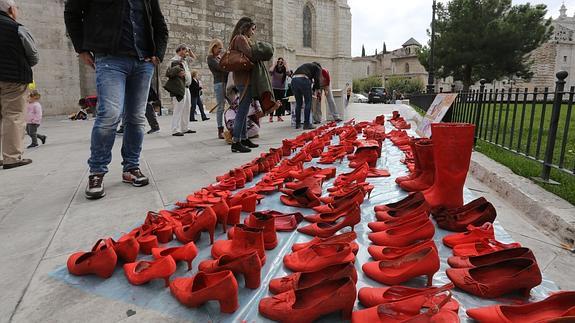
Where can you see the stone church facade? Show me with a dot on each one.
(301, 31)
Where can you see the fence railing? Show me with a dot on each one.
(537, 124)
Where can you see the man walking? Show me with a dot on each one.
(122, 40)
(17, 56)
(181, 117)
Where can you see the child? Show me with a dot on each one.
(33, 119)
(252, 122)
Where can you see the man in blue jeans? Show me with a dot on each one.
(301, 83)
(123, 40)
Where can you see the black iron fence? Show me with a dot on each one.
(537, 124)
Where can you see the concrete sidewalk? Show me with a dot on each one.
(44, 216)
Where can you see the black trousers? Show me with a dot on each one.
(32, 131)
(151, 116)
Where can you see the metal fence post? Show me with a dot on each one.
(552, 134)
(479, 108)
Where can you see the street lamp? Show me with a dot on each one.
(431, 79)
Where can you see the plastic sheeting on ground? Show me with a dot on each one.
(154, 296)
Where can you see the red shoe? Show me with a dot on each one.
(338, 209)
(126, 248)
(358, 175)
(319, 256)
(491, 281)
(338, 192)
(246, 240)
(286, 222)
(378, 226)
(248, 265)
(311, 171)
(369, 296)
(347, 237)
(302, 197)
(162, 227)
(205, 221)
(356, 195)
(185, 253)
(390, 253)
(327, 229)
(473, 234)
(313, 183)
(101, 261)
(309, 304)
(375, 173)
(365, 154)
(554, 306)
(482, 247)
(234, 215)
(395, 272)
(424, 150)
(197, 290)
(405, 235)
(141, 272)
(475, 213)
(401, 204)
(264, 221)
(490, 258)
(145, 238)
(305, 280)
(416, 207)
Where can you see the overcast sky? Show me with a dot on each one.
(394, 22)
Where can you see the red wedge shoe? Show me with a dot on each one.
(390, 253)
(327, 229)
(401, 204)
(187, 253)
(318, 257)
(554, 306)
(246, 240)
(347, 237)
(490, 258)
(473, 234)
(126, 248)
(394, 272)
(249, 265)
(197, 290)
(205, 221)
(404, 235)
(491, 281)
(309, 304)
(305, 280)
(101, 261)
(141, 272)
(482, 247)
(369, 296)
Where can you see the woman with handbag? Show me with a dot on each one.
(279, 73)
(241, 42)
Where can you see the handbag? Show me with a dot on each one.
(235, 61)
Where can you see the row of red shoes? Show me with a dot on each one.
(398, 121)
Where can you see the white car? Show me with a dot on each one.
(359, 98)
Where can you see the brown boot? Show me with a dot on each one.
(220, 132)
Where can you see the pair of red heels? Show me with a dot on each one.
(101, 260)
(476, 213)
(327, 224)
(402, 231)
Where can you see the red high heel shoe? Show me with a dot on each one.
(305, 280)
(490, 258)
(356, 195)
(554, 306)
(264, 221)
(126, 248)
(313, 183)
(248, 265)
(369, 296)
(309, 304)
(473, 234)
(347, 237)
(205, 221)
(101, 261)
(390, 253)
(197, 290)
(234, 215)
(399, 270)
(187, 253)
(412, 218)
(344, 208)
(415, 207)
(318, 257)
(404, 235)
(145, 238)
(162, 227)
(302, 197)
(482, 247)
(327, 229)
(358, 175)
(328, 173)
(491, 281)
(339, 192)
(141, 272)
(246, 239)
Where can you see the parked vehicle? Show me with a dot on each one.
(359, 98)
(377, 95)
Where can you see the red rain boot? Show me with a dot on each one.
(424, 150)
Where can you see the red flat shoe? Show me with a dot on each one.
(126, 248)
(205, 221)
(347, 237)
(391, 253)
(412, 218)
(475, 213)
(286, 222)
(305, 280)
(185, 253)
(309, 304)
(246, 240)
(404, 235)
(482, 247)
(416, 207)
(344, 208)
(249, 265)
(141, 272)
(101, 261)
(473, 234)
(394, 272)
(197, 290)
(491, 281)
(369, 296)
(557, 305)
(327, 229)
(490, 258)
(318, 257)
(401, 204)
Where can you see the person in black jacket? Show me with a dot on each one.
(196, 95)
(122, 40)
(301, 83)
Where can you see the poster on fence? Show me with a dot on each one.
(435, 113)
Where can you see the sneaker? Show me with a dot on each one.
(151, 131)
(190, 131)
(178, 134)
(248, 143)
(135, 177)
(32, 146)
(308, 126)
(19, 163)
(95, 188)
(237, 147)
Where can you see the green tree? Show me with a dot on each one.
(365, 84)
(487, 39)
(405, 85)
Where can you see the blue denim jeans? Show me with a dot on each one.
(122, 84)
(197, 102)
(301, 88)
(240, 123)
(219, 89)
